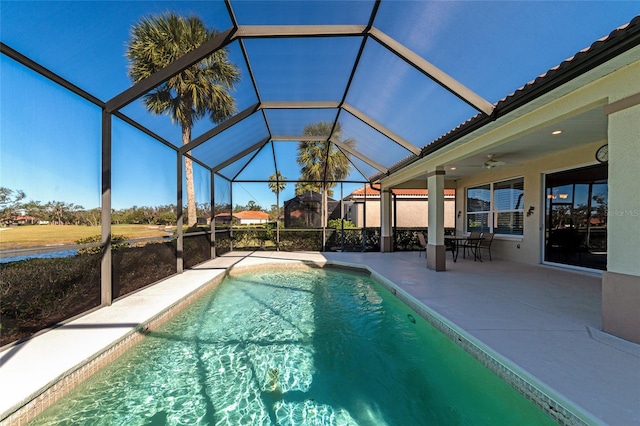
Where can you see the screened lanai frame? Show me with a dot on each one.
(347, 107)
(385, 146)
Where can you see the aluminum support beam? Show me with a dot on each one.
(357, 154)
(299, 104)
(106, 288)
(144, 130)
(380, 128)
(143, 86)
(299, 138)
(212, 217)
(265, 31)
(433, 72)
(45, 72)
(219, 129)
(180, 215)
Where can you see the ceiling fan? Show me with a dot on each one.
(492, 162)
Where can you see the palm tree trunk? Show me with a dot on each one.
(188, 171)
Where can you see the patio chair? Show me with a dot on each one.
(423, 244)
(485, 244)
(472, 243)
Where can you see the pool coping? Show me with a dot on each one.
(558, 407)
(55, 387)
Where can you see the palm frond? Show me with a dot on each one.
(200, 90)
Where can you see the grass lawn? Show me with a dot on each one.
(46, 235)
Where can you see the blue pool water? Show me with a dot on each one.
(300, 347)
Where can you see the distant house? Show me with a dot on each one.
(25, 220)
(411, 207)
(225, 218)
(249, 217)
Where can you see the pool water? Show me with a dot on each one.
(298, 347)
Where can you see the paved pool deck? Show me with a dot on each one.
(545, 320)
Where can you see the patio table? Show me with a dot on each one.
(455, 242)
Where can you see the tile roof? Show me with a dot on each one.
(251, 214)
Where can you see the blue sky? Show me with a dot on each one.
(50, 140)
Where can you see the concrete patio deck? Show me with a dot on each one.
(545, 320)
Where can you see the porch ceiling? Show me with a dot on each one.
(582, 129)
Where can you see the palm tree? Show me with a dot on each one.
(302, 187)
(322, 161)
(277, 185)
(200, 90)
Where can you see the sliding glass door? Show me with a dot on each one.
(576, 217)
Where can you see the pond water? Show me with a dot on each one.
(50, 255)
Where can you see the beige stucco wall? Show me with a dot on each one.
(526, 248)
(624, 191)
(621, 281)
(411, 213)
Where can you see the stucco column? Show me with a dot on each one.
(386, 227)
(436, 250)
(621, 280)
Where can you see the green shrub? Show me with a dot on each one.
(252, 238)
(196, 249)
(117, 242)
(38, 293)
(340, 223)
(301, 241)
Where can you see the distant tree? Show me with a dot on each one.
(35, 209)
(252, 206)
(10, 203)
(200, 90)
(274, 212)
(204, 209)
(277, 185)
(62, 213)
(90, 217)
(322, 161)
(302, 187)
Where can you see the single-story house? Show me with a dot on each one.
(409, 210)
(249, 217)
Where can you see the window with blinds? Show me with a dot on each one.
(497, 207)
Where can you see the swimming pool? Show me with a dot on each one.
(311, 346)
